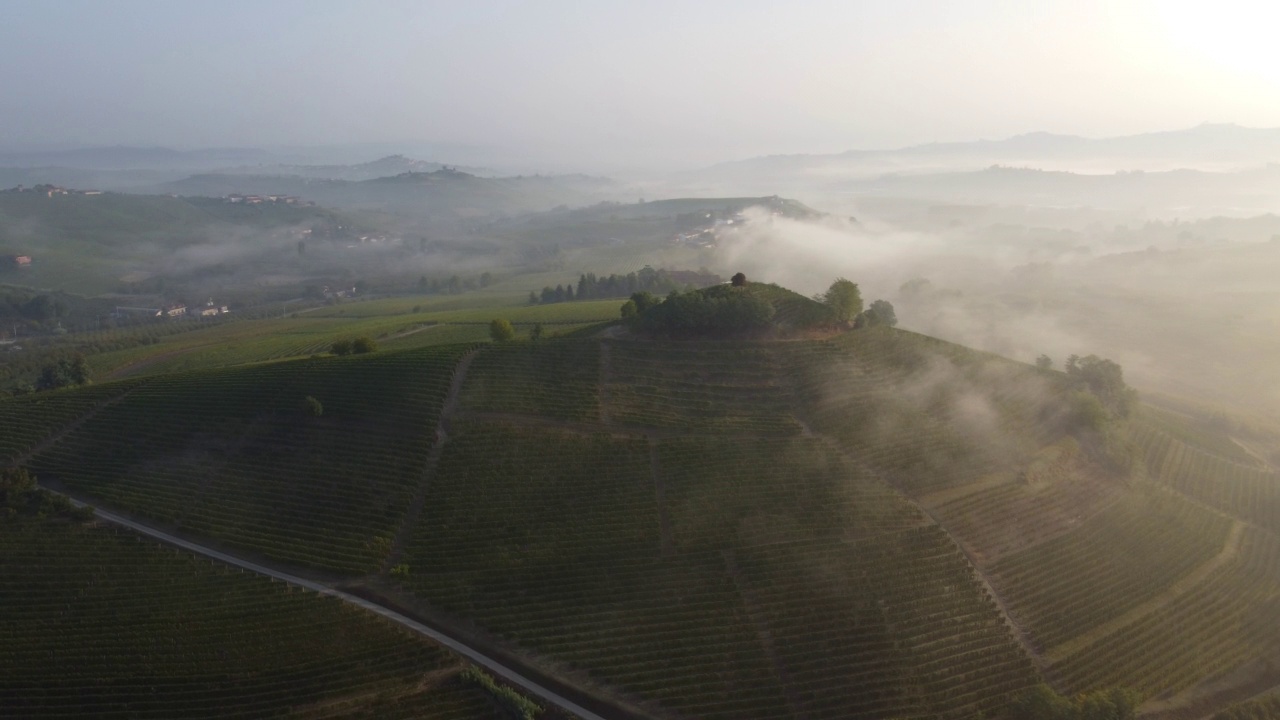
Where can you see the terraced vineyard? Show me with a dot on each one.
(926, 414)
(890, 626)
(668, 569)
(557, 378)
(1221, 622)
(1243, 490)
(27, 421)
(718, 387)
(1054, 494)
(1073, 582)
(726, 492)
(104, 624)
(233, 456)
(803, 529)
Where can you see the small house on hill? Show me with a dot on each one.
(20, 260)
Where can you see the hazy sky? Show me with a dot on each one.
(686, 82)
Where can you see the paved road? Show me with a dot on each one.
(475, 656)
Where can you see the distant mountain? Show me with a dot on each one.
(133, 158)
(1206, 147)
(1173, 192)
(443, 193)
(383, 167)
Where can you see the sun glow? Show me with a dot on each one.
(1237, 38)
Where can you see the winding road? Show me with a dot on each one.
(497, 668)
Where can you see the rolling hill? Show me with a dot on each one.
(863, 524)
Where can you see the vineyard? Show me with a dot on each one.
(710, 576)
(872, 525)
(103, 624)
(234, 456)
(556, 378)
(719, 387)
(1066, 585)
(27, 421)
(1244, 490)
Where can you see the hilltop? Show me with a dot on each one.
(870, 523)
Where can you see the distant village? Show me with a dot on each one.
(238, 199)
(707, 227)
(50, 190)
(175, 310)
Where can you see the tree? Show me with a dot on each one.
(1044, 362)
(501, 330)
(629, 309)
(533, 298)
(536, 333)
(881, 313)
(341, 347)
(363, 344)
(738, 280)
(312, 406)
(1103, 378)
(63, 373)
(643, 300)
(844, 299)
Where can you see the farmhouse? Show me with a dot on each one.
(20, 260)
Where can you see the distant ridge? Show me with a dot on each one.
(1217, 144)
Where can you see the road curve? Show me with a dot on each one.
(475, 656)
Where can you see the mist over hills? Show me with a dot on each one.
(1209, 146)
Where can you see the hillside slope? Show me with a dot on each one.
(876, 524)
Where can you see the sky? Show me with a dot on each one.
(611, 84)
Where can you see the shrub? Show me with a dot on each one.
(510, 700)
(312, 406)
(501, 330)
(363, 344)
(341, 347)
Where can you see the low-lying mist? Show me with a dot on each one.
(1188, 309)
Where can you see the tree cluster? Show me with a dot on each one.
(593, 287)
(359, 346)
(1103, 379)
(1042, 703)
(722, 310)
(453, 285)
(67, 372)
(19, 496)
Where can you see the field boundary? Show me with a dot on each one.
(411, 515)
(470, 653)
(69, 428)
(1230, 549)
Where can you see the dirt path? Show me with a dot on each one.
(606, 375)
(472, 654)
(414, 331)
(660, 491)
(141, 364)
(1015, 628)
(419, 500)
(1230, 549)
(761, 626)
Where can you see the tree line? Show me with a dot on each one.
(595, 287)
